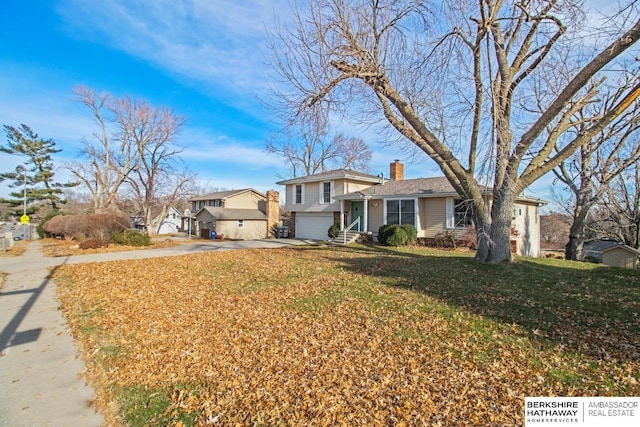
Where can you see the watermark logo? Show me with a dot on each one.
(582, 411)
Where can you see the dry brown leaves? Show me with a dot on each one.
(63, 247)
(289, 337)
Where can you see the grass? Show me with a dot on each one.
(354, 335)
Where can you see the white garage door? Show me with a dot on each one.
(309, 226)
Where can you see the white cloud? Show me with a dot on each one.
(216, 44)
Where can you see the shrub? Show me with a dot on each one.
(91, 244)
(334, 231)
(398, 238)
(97, 226)
(132, 238)
(445, 239)
(40, 227)
(412, 233)
(384, 232)
(397, 235)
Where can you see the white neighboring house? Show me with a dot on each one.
(170, 224)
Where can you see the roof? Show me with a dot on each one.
(607, 245)
(419, 187)
(410, 187)
(232, 214)
(221, 195)
(331, 175)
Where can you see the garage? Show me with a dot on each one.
(313, 226)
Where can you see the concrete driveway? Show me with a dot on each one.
(41, 380)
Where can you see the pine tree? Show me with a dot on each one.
(35, 173)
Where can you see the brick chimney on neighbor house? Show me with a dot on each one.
(397, 170)
(272, 211)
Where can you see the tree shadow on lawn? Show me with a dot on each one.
(594, 310)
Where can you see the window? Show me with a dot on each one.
(326, 192)
(299, 194)
(401, 211)
(241, 223)
(217, 203)
(459, 213)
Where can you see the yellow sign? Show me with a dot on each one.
(24, 219)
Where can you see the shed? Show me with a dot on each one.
(613, 253)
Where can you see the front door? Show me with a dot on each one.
(357, 211)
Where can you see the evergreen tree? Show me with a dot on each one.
(35, 173)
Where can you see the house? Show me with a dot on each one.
(367, 202)
(244, 214)
(613, 253)
(169, 224)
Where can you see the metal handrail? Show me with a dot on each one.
(352, 225)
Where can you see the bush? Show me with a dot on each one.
(98, 226)
(41, 227)
(412, 233)
(445, 239)
(384, 232)
(132, 238)
(91, 244)
(398, 238)
(334, 231)
(397, 235)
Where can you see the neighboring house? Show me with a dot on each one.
(238, 214)
(613, 253)
(431, 205)
(170, 224)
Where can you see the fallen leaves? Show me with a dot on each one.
(300, 336)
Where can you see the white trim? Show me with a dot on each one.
(450, 213)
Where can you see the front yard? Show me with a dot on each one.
(349, 336)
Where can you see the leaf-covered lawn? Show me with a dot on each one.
(349, 336)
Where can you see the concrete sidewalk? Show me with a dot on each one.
(40, 374)
(40, 382)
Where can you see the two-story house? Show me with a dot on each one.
(244, 214)
(367, 202)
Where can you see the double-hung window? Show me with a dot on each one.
(298, 191)
(402, 211)
(326, 192)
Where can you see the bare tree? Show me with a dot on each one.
(109, 157)
(591, 171)
(312, 153)
(455, 83)
(158, 177)
(617, 217)
(136, 145)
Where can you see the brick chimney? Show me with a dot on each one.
(397, 170)
(272, 211)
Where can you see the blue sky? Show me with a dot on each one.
(203, 59)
